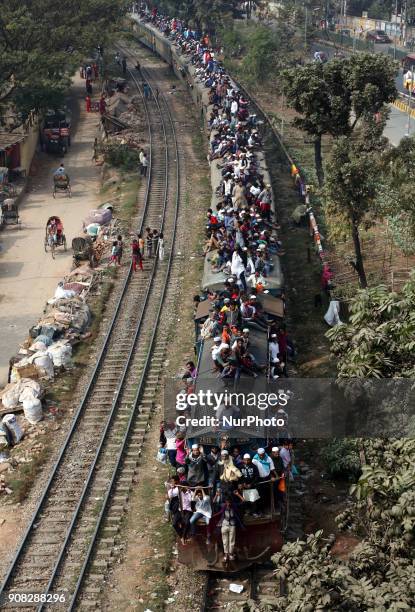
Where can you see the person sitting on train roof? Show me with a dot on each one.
(210, 328)
(196, 467)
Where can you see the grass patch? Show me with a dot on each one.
(161, 539)
(128, 201)
(22, 484)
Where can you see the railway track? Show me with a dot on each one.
(66, 549)
(259, 585)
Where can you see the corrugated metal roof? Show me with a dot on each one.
(7, 139)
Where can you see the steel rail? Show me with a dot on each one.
(127, 364)
(25, 541)
(141, 384)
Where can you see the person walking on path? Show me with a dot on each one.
(144, 165)
(141, 157)
(146, 89)
(161, 247)
(95, 154)
(120, 249)
(136, 256)
(124, 65)
(102, 105)
(88, 104)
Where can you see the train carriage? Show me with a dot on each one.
(261, 536)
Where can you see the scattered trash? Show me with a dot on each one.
(236, 588)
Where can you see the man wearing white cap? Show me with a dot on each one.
(249, 481)
(273, 347)
(216, 350)
(266, 471)
(197, 469)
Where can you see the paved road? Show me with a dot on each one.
(28, 276)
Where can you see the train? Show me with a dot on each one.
(263, 535)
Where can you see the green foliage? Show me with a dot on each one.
(351, 187)
(205, 15)
(396, 199)
(232, 41)
(335, 97)
(121, 156)
(42, 41)
(377, 9)
(341, 457)
(267, 52)
(383, 513)
(379, 340)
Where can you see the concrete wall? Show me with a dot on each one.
(28, 146)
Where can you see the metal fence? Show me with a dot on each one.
(343, 40)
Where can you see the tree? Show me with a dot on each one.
(395, 199)
(41, 43)
(267, 52)
(204, 15)
(333, 98)
(353, 182)
(318, 94)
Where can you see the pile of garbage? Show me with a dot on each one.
(46, 352)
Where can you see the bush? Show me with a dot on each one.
(342, 458)
(121, 156)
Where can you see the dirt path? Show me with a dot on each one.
(28, 275)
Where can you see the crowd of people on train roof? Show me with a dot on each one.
(222, 485)
(242, 233)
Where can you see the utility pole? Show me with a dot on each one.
(408, 133)
(396, 23)
(305, 27)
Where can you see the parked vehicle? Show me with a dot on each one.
(408, 62)
(56, 132)
(10, 213)
(378, 36)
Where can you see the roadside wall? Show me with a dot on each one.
(28, 146)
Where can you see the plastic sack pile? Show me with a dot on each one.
(46, 352)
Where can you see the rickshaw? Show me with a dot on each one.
(83, 250)
(61, 182)
(54, 236)
(10, 213)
